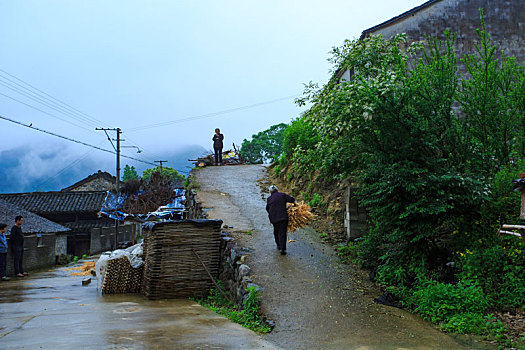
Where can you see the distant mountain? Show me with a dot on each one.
(53, 167)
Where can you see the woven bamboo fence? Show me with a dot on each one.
(171, 266)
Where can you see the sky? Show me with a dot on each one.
(190, 66)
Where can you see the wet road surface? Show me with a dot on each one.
(316, 302)
(51, 310)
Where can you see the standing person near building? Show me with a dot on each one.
(16, 241)
(278, 214)
(3, 253)
(217, 146)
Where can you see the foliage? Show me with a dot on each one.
(265, 146)
(347, 253)
(433, 153)
(129, 173)
(166, 171)
(248, 317)
(439, 301)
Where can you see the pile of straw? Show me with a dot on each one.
(85, 269)
(299, 214)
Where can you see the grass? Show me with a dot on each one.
(248, 317)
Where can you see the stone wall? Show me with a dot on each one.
(103, 239)
(504, 20)
(39, 252)
(355, 216)
(193, 207)
(234, 273)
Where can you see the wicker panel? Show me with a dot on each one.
(120, 277)
(172, 270)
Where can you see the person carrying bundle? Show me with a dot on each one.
(278, 215)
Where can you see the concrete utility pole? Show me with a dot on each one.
(117, 150)
(161, 161)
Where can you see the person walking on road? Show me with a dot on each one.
(3, 253)
(217, 146)
(17, 246)
(278, 215)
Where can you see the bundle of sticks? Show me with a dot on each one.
(299, 214)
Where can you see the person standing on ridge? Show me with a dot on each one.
(278, 215)
(217, 146)
(17, 246)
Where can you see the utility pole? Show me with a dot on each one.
(160, 162)
(117, 150)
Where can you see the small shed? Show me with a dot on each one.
(180, 258)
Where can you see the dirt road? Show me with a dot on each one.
(316, 302)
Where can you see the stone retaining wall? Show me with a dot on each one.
(234, 273)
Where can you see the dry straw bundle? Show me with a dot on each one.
(299, 214)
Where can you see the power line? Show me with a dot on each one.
(30, 95)
(57, 101)
(72, 140)
(209, 115)
(50, 114)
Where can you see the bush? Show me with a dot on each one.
(439, 302)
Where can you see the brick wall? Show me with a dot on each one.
(504, 20)
(38, 253)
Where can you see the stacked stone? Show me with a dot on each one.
(234, 273)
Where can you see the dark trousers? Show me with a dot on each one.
(3, 263)
(279, 232)
(18, 255)
(218, 155)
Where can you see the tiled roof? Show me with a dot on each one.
(57, 202)
(100, 174)
(32, 222)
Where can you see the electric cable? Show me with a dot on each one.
(209, 115)
(73, 109)
(50, 114)
(45, 103)
(73, 140)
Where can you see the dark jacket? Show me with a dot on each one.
(217, 140)
(16, 239)
(276, 206)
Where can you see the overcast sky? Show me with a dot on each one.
(132, 64)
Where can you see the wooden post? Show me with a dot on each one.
(522, 214)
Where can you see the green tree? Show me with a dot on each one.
(265, 146)
(493, 103)
(129, 173)
(167, 171)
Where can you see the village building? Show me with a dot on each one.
(44, 240)
(99, 181)
(78, 211)
(504, 21)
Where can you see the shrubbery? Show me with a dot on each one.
(433, 156)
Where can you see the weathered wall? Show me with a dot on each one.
(103, 239)
(98, 184)
(355, 216)
(61, 244)
(38, 253)
(504, 19)
(234, 273)
(193, 207)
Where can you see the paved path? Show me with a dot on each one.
(51, 310)
(316, 302)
